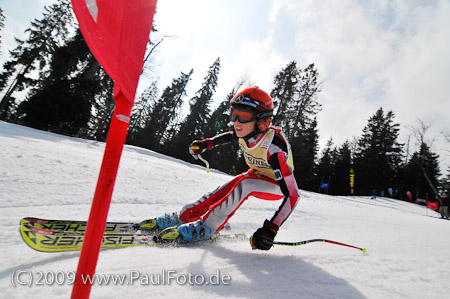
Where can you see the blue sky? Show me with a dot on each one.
(369, 54)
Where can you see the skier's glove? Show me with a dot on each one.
(198, 147)
(263, 237)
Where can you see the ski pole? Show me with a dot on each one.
(204, 161)
(196, 147)
(363, 250)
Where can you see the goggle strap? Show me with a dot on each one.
(264, 114)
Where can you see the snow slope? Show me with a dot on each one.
(51, 176)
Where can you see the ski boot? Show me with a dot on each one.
(160, 223)
(196, 231)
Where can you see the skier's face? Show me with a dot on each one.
(243, 129)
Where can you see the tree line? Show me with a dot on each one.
(66, 91)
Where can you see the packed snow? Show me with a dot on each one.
(47, 175)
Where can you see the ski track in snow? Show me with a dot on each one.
(52, 176)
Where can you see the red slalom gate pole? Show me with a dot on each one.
(117, 33)
(102, 198)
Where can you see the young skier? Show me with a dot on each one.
(270, 177)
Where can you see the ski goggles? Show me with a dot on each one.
(244, 116)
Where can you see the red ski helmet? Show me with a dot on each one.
(255, 98)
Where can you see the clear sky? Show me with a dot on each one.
(369, 54)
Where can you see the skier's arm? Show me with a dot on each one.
(197, 147)
(264, 236)
(286, 180)
(223, 138)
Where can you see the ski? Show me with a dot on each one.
(80, 226)
(76, 226)
(46, 240)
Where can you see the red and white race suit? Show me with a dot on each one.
(270, 177)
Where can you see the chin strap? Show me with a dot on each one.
(260, 128)
(252, 134)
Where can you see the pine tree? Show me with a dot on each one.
(102, 108)
(34, 54)
(140, 113)
(284, 94)
(195, 125)
(307, 107)
(445, 184)
(295, 93)
(378, 154)
(426, 161)
(305, 147)
(343, 164)
(326, 165)
(163, 113)
(421, 170)
(2, 25)
(63, 100)
(429, 164)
